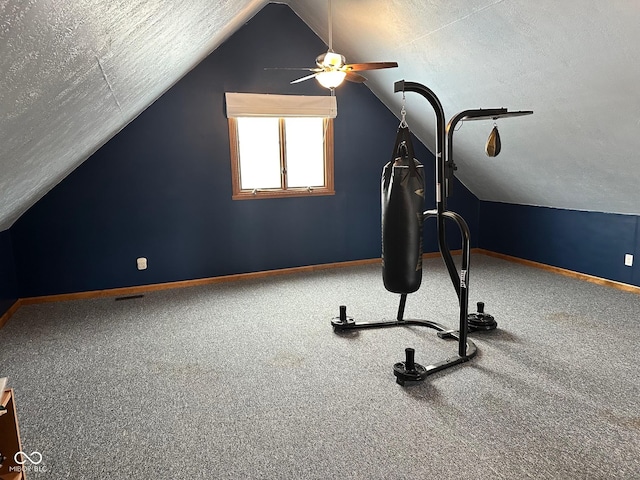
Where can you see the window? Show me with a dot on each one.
(281, 145)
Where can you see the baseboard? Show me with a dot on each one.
(9, 313)
(141, 289)
(562, 271)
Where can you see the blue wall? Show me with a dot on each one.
(587, 242)
(8, 278)
(161, 188)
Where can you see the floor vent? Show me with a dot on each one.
(130, 297)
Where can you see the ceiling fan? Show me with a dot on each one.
(332, 68)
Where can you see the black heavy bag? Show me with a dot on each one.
(402, 209)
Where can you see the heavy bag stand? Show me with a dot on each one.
(409, 371)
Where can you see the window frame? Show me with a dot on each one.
(245, 194)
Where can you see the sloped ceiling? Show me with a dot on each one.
(74, 73)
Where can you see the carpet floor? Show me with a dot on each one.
(247, 380)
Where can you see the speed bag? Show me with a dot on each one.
(402, 217)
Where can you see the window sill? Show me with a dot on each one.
(248, 195)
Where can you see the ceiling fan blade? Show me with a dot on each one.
(304, 69)
(355, 77)
(355, 67)
(303, 78)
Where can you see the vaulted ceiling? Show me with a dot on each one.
(72, 74)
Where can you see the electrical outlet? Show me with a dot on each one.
(142, 263)
(628, 260)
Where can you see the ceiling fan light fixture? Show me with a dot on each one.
(332, 68)
(331, 79)
(331, 59)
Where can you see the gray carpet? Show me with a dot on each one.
(247, 380)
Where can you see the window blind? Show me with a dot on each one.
(270, 105)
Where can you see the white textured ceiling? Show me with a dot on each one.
(576, 63)
(72, 74)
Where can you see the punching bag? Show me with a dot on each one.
(402, 212)
(493, 145)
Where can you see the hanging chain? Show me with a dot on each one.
(403, 113)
